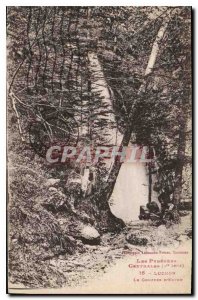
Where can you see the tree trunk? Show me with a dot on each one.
(150, 183)
(177, 194)
(180, 158)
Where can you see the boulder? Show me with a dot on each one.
(161, 231)
(53, 189)
(185, 205)
(52, 182)
(144, 213)
(55, 201)
(189, 233)
(184, 213)
(89, 235)
(182, 238)
(136, 240)
(153, 207)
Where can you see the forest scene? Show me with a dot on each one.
(107, 77)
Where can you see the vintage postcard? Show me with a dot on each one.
(99, 138)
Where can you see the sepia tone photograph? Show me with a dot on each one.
(99, 149)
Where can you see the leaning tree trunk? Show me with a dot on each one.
(106, 220)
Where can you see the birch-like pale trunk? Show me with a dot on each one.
(109, 134)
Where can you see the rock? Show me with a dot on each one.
(153, 207)
(53, 263)
(185, 205)
(52, 189)
(71, 238)
(176, 243)
(157, 223)
(189, 233)
(91, 247)
(136, 240)
(52, 182)
(14, 241)
(162, 231)
(184, 213)
(89, 232)
(182, 238)
(84, 217)
(105, 248)
(89, 235)
(144, 213)
(55, 201)
(154, 217)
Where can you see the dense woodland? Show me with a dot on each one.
(145, 59)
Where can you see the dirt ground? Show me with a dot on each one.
(98, 260)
